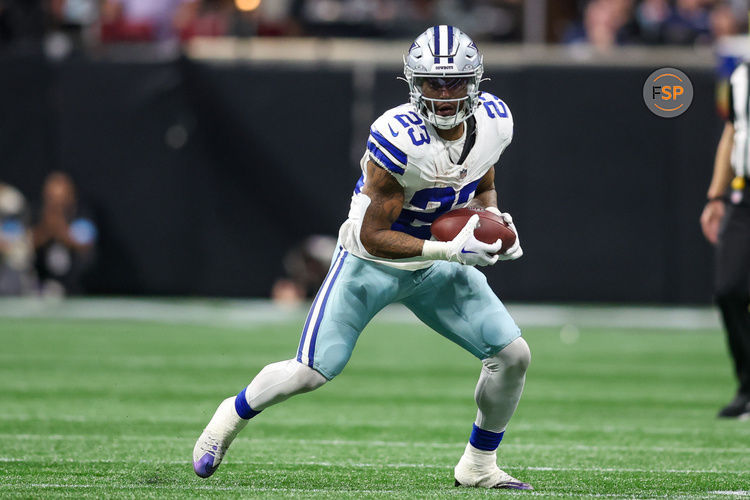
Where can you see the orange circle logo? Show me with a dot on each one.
(668, 92)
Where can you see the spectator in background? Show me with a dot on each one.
(146, 20)
(15, 243)
(497, 20)
(212, 18)
(73, 16)
(223, 18)
(689, 23)
(723, 21)
(279, 18)
(650, 17)
(606, 23)
(306, 266)
(64, 238)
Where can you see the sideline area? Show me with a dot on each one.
(241, 313)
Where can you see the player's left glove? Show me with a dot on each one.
(515, 251)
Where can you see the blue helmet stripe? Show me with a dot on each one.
(450, 43)
(437, 43)
(399, 155)
(382, 159)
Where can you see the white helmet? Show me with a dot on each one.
(448, 54)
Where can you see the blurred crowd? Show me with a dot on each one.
(601, 23)
(605, 23)
(46, 247)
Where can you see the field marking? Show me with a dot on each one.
(397, 444)
(399, 465)
(521, 426)
(189, 487)
(249, 313)
(244, 488)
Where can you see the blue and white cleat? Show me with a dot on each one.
(216, 437)
(207, 455)
(479, 470)
(497, 479)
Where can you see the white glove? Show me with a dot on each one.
(464, 248)
(515, 251)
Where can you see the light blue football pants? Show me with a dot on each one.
(452, 299)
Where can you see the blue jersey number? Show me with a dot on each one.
(408, 121)
(493, 104)
(445, 196)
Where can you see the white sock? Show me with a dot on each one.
(479, 459)
(225, 424)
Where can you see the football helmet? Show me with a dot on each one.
(443, 57)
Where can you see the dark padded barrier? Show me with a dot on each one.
(606, 195)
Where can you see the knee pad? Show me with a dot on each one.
(516, 357)
(280, 381)
(306, 378)
(295, 376)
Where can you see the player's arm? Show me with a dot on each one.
(386, 200)
(485, 195)
(722, 176)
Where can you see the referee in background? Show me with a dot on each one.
(726, 223)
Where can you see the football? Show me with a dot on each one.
(491, 227)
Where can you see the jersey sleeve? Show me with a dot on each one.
(506, 128)
(386, 146)
(496, 113)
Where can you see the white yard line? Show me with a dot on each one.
(351, 490)
(186, 487)
(519, 427)
(360, 443)
(249, 313)
(366, 465)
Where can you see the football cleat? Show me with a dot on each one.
(497, 479)
(738, 408)
(471, 475)
(207, 455)
(216, 437)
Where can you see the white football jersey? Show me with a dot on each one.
(410, 149)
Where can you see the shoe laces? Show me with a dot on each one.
(210, 446)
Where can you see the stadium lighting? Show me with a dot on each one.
(247, 5)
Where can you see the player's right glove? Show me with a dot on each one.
(464, 248)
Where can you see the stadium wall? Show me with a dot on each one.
(203, 173)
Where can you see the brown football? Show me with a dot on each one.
(490, 229)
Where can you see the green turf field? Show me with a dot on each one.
(95, 408)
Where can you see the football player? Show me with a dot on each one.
(424, 158)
